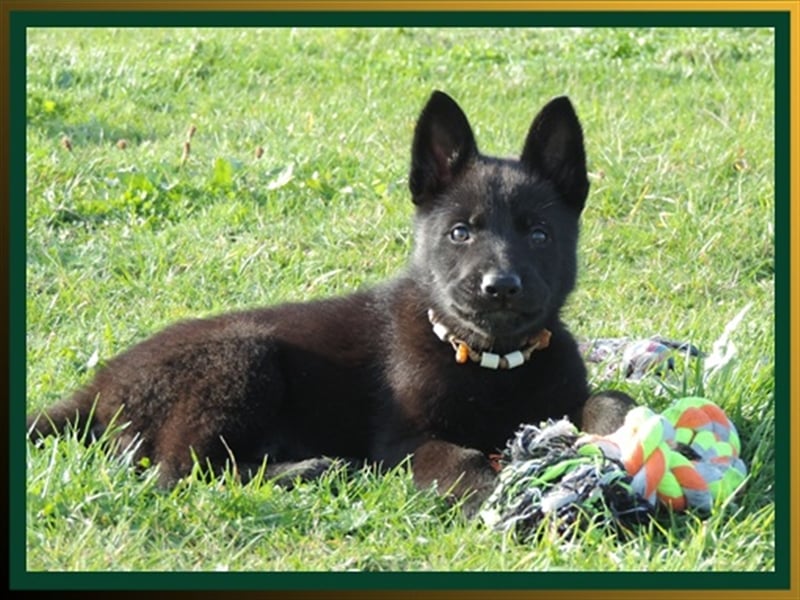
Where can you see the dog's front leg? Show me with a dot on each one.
(457, 472)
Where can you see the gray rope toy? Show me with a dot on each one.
(544, 478)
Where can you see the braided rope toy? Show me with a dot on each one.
(685, 458)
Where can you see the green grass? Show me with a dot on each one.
(677, 238)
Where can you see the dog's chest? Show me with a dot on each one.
(469, 404)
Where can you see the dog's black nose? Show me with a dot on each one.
(501, 285)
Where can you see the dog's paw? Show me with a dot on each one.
(464, 475)
(474, 500)
(604, 412)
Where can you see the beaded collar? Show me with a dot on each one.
(487, 359)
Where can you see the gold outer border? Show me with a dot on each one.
(404, 5)
(790, 6)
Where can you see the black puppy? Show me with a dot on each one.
(442, 363)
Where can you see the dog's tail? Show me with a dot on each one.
(75, 413)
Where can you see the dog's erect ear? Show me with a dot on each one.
(443, 146)
(554, 150)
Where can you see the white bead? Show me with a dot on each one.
(514, 359)
(490, 361)
(440, 331)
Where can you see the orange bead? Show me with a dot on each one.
(462, 354)
(542, 339)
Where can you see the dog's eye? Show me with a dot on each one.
(459, 233)
(539, 235)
